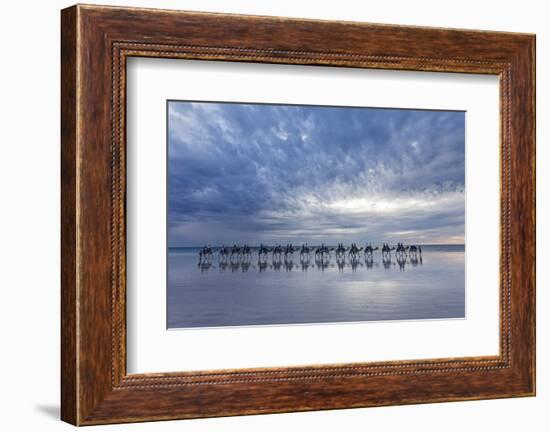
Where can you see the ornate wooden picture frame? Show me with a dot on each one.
(96, 41)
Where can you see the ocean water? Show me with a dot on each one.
(218, 295)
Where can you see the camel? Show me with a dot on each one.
(353, 253)
(386, 250)
(341, 251)
(323, 253)
(369, 250)
(415, 255)
(415, 250)
(246, 253)
(305, 253)
(401, 249)
(263, 251)
(205, 255)
(276, 253)
(236, 254)
(289, 253)
(223, 254)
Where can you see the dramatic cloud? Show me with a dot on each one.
(277, 173)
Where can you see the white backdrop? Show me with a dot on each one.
(29, 228)
(151, 348)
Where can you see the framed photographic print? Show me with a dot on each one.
(266, 215)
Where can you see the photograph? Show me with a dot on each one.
(282, 214)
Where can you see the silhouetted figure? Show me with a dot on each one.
(289, 253)
(341, 251)
(263, 252)
(354, 252)
(369, 250)
(322, 254)
(305, 253)
(277, 254)
(205, 255)
(236, 254)
(223, 254)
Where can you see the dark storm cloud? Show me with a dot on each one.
(277, 173)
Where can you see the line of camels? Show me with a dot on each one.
(321, 254)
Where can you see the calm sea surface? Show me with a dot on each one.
(237, 294)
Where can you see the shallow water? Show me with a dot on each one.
(231, 295)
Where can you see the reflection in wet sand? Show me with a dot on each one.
(400, 263)
(302, 288)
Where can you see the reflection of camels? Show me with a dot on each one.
(386, 259)
(205, 266)
(239, 257)
(401, 259)
(289, 264)
(224, 266)
(321, 263)
(354, 263)
(369, 261)
(305, 265)
(262, 266)
(415, 260)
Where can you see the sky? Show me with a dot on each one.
(252, 173)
